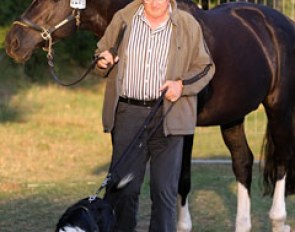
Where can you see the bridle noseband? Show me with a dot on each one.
(46, 33)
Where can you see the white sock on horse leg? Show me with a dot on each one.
(243, 219)
(184, 223)
(278, 212)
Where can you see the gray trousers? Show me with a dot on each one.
(165, 155)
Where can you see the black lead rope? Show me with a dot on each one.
(136, 141)
(138, 135)
(56, 78)
(113, 50)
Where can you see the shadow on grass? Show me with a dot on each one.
(102, 169)
(213, 158)
(7, 90)
(39, 208)
(16, 79)
(212, 203)
(8, 113)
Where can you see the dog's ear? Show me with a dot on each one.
(78, 216)
(96, 215)
(104, 215)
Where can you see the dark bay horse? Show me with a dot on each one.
(253, 49)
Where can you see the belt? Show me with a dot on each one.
(138, 102)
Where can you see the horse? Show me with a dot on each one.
(253, 50)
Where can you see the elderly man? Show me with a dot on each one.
(163, 48)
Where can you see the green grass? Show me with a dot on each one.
(45, 127)
(37, 207)
(53, 152)
(209, 143)
(213, 200)
(3, 31)
(54, 129)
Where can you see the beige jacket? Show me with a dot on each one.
(188, 56)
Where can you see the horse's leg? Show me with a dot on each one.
(242, 161)
(278, 214)
(184, 223)
(278, 154)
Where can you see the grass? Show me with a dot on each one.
(53, 152)
(36, 207)
(209, 144)
(52, 137)
(213, 200)
(3, 31)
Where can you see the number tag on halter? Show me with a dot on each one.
(78, 4)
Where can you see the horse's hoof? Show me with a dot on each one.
(183, 230)
(287, 228)
(243, 229)
(184, 227)
(243, 224)
(283, 228)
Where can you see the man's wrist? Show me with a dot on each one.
(180, 83)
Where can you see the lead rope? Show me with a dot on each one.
(134, 142)
(113, 50)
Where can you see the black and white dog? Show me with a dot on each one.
(93, 214)
(88, 215)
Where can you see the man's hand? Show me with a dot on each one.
(174, 90)
(107, 60)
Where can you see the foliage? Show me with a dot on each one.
(11, 9)
(78, 48)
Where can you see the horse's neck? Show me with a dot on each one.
(99, 13)
(94, 22)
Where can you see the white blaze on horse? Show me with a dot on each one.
(253, 49)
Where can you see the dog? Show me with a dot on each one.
(94, 214)
(88, 215)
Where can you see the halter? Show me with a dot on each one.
(46, 33)
(46, 36)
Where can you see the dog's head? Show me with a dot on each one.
(87, 216)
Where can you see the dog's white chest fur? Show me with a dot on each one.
(71, 229)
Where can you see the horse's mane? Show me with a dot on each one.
(187, 5)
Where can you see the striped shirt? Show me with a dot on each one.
(147, 53)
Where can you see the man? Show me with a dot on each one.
(162, 48)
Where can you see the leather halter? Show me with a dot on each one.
(46, 33)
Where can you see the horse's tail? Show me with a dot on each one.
(269, 163)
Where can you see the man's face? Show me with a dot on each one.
(156, 9)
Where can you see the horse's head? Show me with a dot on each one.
(36, 25)
(47, 21)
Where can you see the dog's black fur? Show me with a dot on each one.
(89, 216)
